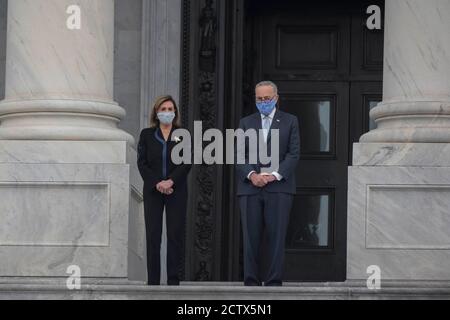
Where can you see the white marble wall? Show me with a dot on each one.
(161, 53)
(58, 215)
(127, 62)
(68, 203)
(398, 220)
(3, 9)
(147, 57)
(137, 253)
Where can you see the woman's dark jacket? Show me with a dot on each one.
(154, 160)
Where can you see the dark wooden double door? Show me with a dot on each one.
(328, 66)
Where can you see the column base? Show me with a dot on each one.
(62, 119)
(418, 121)
(70, 203)
(398, 217)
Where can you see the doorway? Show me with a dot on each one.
(328, 67)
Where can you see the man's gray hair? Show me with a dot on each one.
(268, 83)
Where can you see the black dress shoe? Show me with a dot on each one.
(252, 284)
(273, 284)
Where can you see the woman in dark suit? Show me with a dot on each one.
(165, 186)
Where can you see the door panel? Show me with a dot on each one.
(298, 46)
(312, 229)
(318, 219)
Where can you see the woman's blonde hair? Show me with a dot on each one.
(154, 121)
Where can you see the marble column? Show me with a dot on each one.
(416, 97)
(59, 82)
(70, 190)
(399, 184)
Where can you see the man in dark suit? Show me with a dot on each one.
(266, 198)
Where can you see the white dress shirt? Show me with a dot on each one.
(266, 134)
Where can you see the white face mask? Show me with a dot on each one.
(166, 117)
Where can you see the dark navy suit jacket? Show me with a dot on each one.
(289, 154)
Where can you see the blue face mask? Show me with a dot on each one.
(166, 117)
(266, 107)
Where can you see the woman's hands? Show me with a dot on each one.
(165, 187)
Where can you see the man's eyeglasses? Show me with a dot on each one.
(264, 99)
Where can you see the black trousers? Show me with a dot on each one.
(175, 204)
(270, 211)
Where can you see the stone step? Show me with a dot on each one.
(44, 290)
